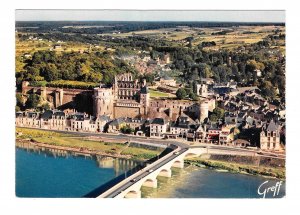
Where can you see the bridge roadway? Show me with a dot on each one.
(135, 178)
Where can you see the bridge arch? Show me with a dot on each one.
(150, 182)
(190, 154)
(133, 194)
(165, 172)
(178, 163)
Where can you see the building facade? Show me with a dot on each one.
(270, 137)
(127, 97)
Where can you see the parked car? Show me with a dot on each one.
(133, 180)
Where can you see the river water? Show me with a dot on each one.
(46, 174)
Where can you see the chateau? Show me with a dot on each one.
(126, 98)
(127, 103)
(129, 97)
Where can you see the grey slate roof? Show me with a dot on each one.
(117, 121)
(103, 118)
(49, 113)
(272, 126)
(19, 114)
(159, 121)
(144, 90)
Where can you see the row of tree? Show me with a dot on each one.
(52, 66)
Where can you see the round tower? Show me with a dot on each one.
(203, 110)
(103, 101)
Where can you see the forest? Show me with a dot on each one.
(255, 65)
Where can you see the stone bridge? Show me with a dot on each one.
(131, 186)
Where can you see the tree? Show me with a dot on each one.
(213, 117)
(180, 93)
(193, 96)
(219, 112)
(126, 130)
(45, 106)
(17, 108)
(149, 77)
(268, 90)
(19, 99)
(32, 101)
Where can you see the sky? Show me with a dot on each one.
(147, 15)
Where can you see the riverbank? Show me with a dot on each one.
(88, 146)
(81, 145)
(218, 165)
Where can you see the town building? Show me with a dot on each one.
(270, 137)
(181, 127)
(158, 127)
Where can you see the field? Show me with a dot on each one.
(31, 46)
(76, 141)
(159, 94)
(238, 36)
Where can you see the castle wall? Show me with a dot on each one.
(132, 112)
(59, 96)
(175, 104)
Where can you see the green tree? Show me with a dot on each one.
(17, 108)
(218, 112)
(253, 65)
(180, 93)
(149, 78)
(268, 90)
(193, 96)
(45, 106)
(213, 117)
(19, 99)
(126, 130)
(32, 101)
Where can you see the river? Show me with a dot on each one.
(47, 174)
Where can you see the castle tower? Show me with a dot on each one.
(44, 93)
(103, 101)
(58, 97)
(145, 97)
(203, 110)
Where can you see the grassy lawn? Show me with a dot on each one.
(241, 168)
(140, 153)
(66, 140)
(158, 94)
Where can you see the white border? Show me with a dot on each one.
(10, 204)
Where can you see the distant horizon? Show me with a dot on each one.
(247, 16)
(145, 21)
